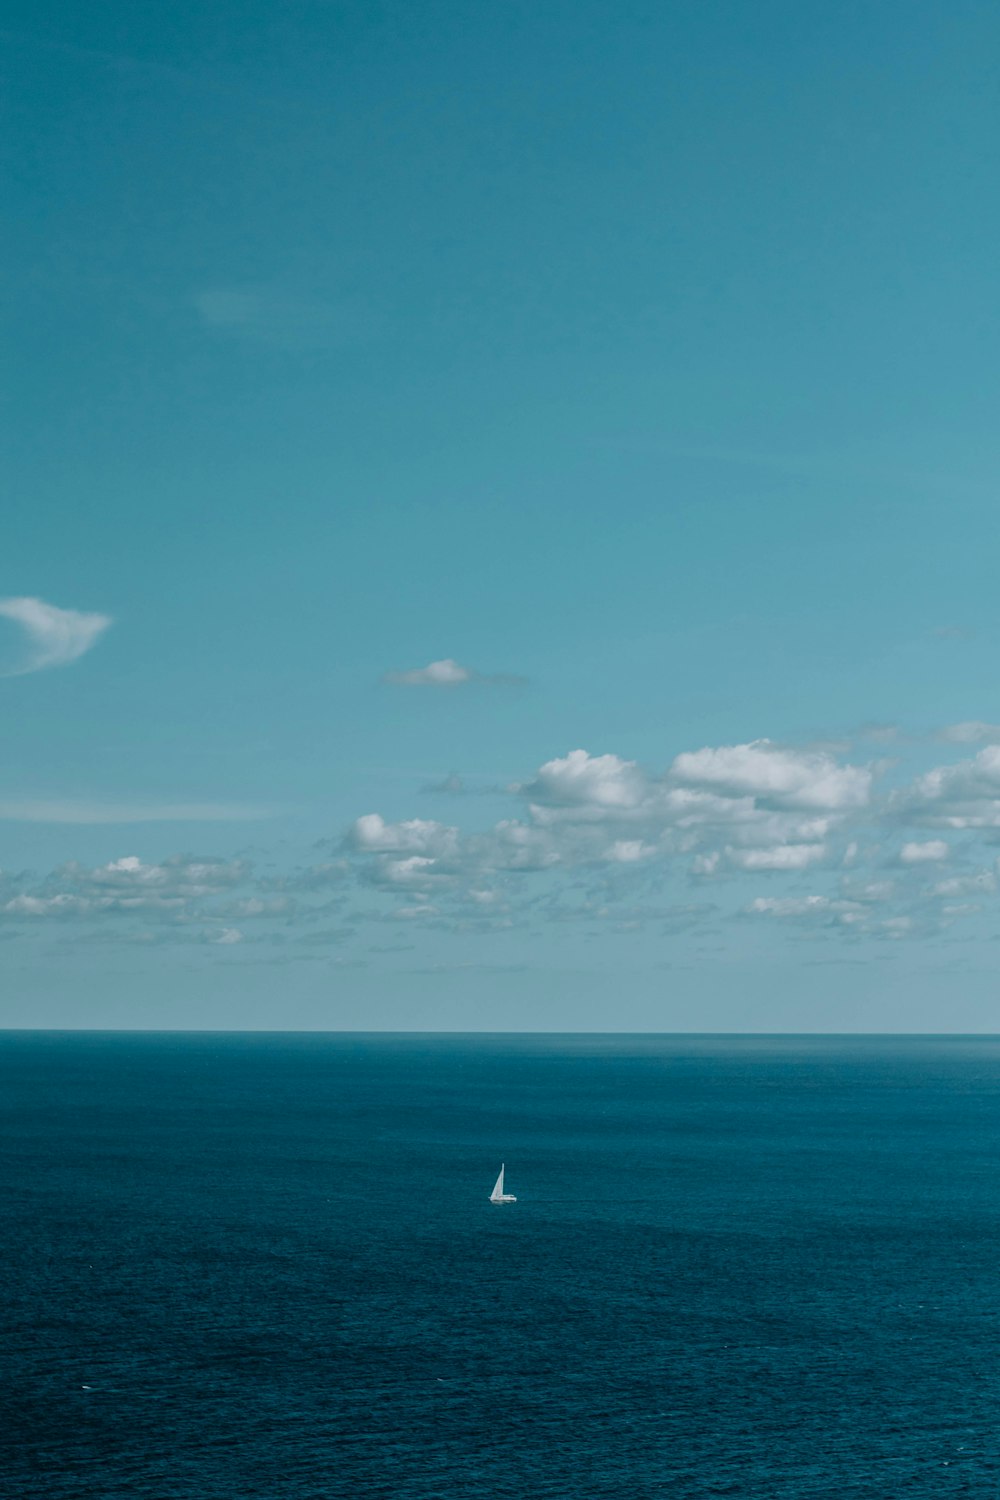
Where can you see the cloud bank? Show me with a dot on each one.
(802, 840)
(599, 838)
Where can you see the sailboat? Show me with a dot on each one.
(498, 1195)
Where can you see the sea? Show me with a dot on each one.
(266, 1266)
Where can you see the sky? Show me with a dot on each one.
(500, 524)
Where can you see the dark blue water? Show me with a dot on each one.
(266, 1266)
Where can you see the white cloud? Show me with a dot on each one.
(186, 899)
(587, 781)
(446, 673)
(181, 875)
(68, 904)
(588, 812)
(430, 851)
(171, 891)
(62, 905)
(777, 777)
(781, 857)
(628, 851)
(54, 636)
(228, 937)
(597, 840)
(893, 927)
(688, 808)
(414, 871)
(917, 853)
(512, 845)
(789, 906)
(964, 795)
(126, 873)
(848, 916)
(759, 808)
(449, 673)
(371, 834)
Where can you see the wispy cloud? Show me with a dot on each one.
(54, 636)
(449, 673)
(285, 318)
(971, 732)
(451, 785)
(454, 785)
(69, 810)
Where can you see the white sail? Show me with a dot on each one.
(498, 1195)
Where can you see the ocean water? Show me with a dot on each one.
(266, 1266)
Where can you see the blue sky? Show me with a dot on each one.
(637, 360)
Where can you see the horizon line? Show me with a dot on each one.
(218, 1031)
